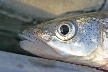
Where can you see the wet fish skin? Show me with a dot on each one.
(88, 46)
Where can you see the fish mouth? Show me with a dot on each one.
(23, 37)
(38, 47)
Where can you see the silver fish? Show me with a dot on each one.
(81, 39)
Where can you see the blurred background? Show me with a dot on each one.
(16, 15)
(19, 14)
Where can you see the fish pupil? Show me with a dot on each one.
(64, 29)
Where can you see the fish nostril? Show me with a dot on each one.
(18, 39)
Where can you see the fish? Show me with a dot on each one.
(80, 39)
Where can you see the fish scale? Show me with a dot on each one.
(87, 29)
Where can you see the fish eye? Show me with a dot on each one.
(65, 30)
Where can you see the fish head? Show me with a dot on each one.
(81, 40)
(62, 38)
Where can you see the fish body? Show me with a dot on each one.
(81, 39)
